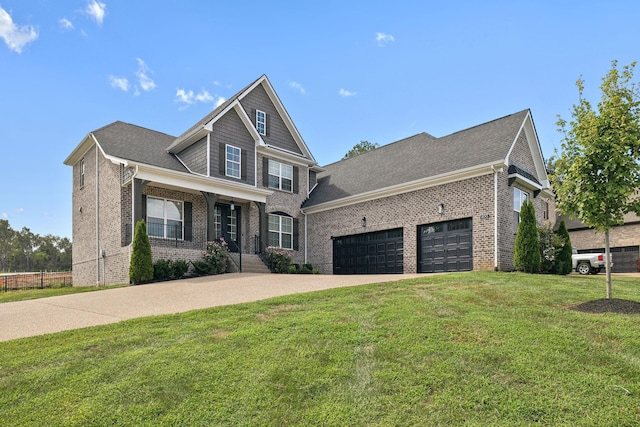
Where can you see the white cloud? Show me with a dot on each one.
(16, 37)
(97, 10)
(119, 82)
(383, 39)
(187, 98)
(5, 215)
(65, 24)
(297, 86)
(146, 83)
(345, 93)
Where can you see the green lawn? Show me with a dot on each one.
(471, 349)
(11, 296)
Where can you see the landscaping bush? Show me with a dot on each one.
(563, 258)
(293, 269)
(214, 259)
(526, 255)
(163, 269)
(180, 268)
(278, 259)
(141, 266)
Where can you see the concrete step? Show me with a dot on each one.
(251, 263)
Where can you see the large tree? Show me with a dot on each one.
(597, 173)
(361, 147)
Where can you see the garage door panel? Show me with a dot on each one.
(369, 253)
(445, 246)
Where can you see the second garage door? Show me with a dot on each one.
(369, 253)
(445, 246)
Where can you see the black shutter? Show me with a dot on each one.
(144, 208)
(243, 165)
(188, 223)
(265, 172)
(296, 234)
(296, 176)
(267, 124)
(222, 161)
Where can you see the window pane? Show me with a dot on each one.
(174, 229)
(287, 241)
(174, 210)
(287, 224)
(286, 184)
(155, 227)
(155, 207)
(274, 223)
(274, 168)
(233, 154)
(274, 182)
(233, 169)
(287, 171)
(274, 239)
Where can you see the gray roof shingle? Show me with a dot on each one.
(417, 157)
(137, 144)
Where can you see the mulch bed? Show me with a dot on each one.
(612, 305)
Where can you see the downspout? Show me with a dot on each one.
(133, 207)
(305, 237)
(495, 216)
(97, 221)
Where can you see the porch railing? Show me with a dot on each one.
(184, 237)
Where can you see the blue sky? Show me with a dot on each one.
(345, 70)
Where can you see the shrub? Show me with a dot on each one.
(163, 269)
(180, 268)
(214, 258)
(526, 255)
(141, 266)
(293, 269)
(278, 259)
(563, 259)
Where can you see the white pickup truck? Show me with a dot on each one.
(589, 263)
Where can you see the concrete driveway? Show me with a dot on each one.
(48, 315)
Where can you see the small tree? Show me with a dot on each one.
(526, 256)
(563, 254)
(361, 147)
(597, 175)
(141, 266)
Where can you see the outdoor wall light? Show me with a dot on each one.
(364, 221)
(232, 207)
(441, 208)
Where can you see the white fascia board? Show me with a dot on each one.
(285, 155)
(446, 178)
(80, 150)
(194, 182)
(534, 147)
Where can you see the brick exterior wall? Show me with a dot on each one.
(626, 235)
(89, 267)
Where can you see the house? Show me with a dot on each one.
(243, 172)
(624, 241)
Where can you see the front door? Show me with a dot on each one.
(227, 224)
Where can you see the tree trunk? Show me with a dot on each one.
(607, 255)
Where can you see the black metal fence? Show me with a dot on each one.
(176, 236)
(42, 280)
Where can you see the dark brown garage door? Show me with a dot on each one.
(445, 246)
(379, 252)
(624, 258)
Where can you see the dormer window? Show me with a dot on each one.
(261, 122)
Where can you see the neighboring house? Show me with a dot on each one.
(243, 172)
(624, 241)
(426, 204)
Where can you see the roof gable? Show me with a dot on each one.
(241, 101)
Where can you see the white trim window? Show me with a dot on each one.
(165, 218)
(519, 198)
(280, 176)
(261, 122)
(281, 231)
(82, 170)
(232, 161)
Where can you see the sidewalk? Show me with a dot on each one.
(48, 315)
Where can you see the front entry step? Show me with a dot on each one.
(251, 263)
